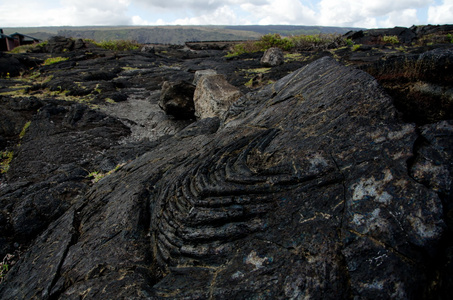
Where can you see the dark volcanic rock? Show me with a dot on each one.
(303, 191)
(405, 35)
(58, 44)
(374, 36)
(16, 113)
(176, 99)
(11, 66)
(59, 135)
(50, 166)
(421, 84)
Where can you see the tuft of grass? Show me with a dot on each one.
(24, 129)
(8, 261)
(5, 159)
(54, 60)
(251, 74)
(96, 175)
(258, 70)
(249, 83)
(356, 47)
(4, 268)
(293, 57)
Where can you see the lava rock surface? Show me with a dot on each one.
(327, 182)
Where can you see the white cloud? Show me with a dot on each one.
(65, 12)
(355, 13)
(358, 13)
(223, 15)
(383, 7)
(80, 12)
(406, 18)
(280, 12)
(441, 14)
(193, 5)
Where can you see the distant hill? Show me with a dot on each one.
(292, 29)
(173, 34)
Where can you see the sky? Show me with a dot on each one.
(344, 13)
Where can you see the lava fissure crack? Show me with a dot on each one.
(385, 246)
(343, 210)
(419, 142)
(76, 222)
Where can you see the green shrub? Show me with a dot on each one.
(265, 42)
(306, 42)
(274, 40)
(246, 47)
(118, 45)
(318, 42)
(390, 39)
(450, 38)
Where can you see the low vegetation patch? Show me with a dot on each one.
(318, 42)
(54, 60)
(293, 57)
(96, 175)
(117, 45)
(5, 159)
(28, 48)
(432, 39)
(291, 43)
(257, 70)
(390, 39)
(4, 268)
(255, 75)
(24, 129)
(8, 261)
(356, 47)
(24, 85)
